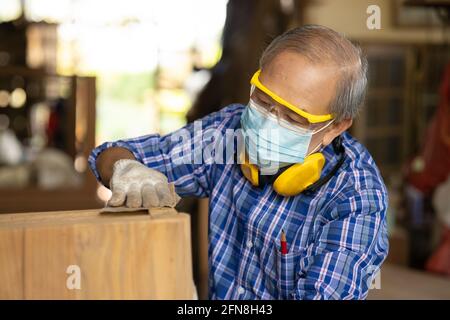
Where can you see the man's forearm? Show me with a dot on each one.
(106, 160)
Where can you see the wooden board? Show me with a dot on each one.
(119, 255)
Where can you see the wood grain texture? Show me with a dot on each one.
(120, 256)
(11, 264)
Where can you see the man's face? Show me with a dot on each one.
(305, 85)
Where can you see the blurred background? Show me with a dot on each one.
(76, 73)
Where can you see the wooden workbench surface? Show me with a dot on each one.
(130, 255)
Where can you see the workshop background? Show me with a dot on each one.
(76, 73)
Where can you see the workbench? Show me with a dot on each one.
(91, 255)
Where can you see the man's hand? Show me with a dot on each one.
(135, 185)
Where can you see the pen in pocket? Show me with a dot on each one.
(283, 243)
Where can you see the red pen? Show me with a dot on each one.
(283, 242)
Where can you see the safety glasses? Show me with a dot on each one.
(264, 97)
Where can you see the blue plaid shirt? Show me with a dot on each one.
(337, 236)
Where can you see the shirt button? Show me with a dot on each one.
(241, 290)
(249, 244)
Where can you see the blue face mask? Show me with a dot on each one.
(272, 143)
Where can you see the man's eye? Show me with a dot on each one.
(299, 120)
(294, 118)
(264, 102)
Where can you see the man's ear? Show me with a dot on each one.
(335, 130)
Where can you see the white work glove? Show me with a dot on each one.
(135, 185)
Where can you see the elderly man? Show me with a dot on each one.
(302, 215)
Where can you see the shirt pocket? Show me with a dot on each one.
(287, 270)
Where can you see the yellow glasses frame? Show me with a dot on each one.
(312, 118)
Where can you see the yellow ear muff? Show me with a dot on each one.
(294, 179)
(249, 170)
(299, 176)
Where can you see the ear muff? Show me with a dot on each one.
(299, 176)
(249, 170)
(292, 180)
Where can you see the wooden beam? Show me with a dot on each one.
(118, 255)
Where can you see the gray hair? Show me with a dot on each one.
(320, 44)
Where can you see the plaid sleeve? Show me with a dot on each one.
(348, 251)
(179, 155)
